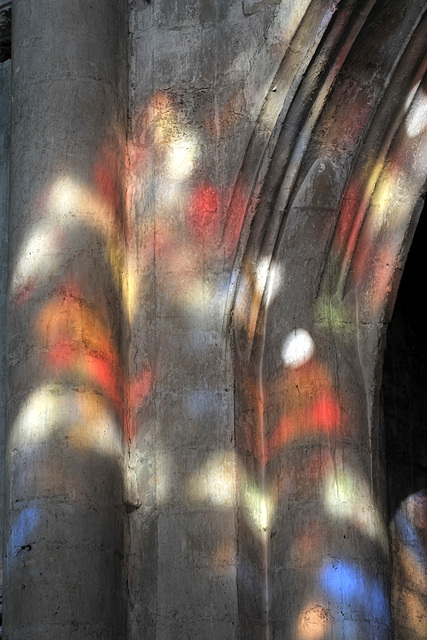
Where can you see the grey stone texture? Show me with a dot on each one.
(211, 205)
(64, 525)
(5, 101)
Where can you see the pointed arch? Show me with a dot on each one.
(336, 174)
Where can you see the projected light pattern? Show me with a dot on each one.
(306, 394)
(23, 533)
(298, 472)
(73, 328)
(348, 583)
(409, 546)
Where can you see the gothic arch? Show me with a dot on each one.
(336, 175)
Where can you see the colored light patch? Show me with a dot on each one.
(314, 622)
(131, 282)
(267, 279)
(45, 245)
(40, 255)
(388, 210)
(182, 154)
(235, 218)
(203, 213)
(298, 348)
(95, 427)
(274, 282)
(258, 504)
(70, 358)
(410, 526)
(261, 272)
(334, 314)
(416, 121)
(23, 527)
(38, 416)
(106, 179)
(347, 497)
(353, 590)
(413, 612)
(63, 354)
(415, 571)
(54, 411)
(215, 482)
(76, 338)
(321, 416)
(68, 195)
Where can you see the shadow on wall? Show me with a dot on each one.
(405, 431)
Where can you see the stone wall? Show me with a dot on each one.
(211, 206)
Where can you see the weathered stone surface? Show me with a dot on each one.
(211, 206)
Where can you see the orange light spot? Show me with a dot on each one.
(313, 623)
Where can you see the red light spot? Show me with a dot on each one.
(106, 182)
(235, 219)
(324, 414)
(140, 387)
(63, 354)
(204, 212)
(104, 374)
(351, 201)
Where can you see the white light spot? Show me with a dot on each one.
(298, 348)
(274, 282)
(417, 119)
(182, 155)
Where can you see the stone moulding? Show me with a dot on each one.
(334, 175)
(282, 150)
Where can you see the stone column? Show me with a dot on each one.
(4, 205)
(64, 504)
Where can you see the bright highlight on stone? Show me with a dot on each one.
(298, 348)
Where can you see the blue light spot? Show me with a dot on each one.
(349, 585)
(25, 524)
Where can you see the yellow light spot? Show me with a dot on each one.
(258, 505)
(215, 481)
(347, 497)
(79, 417)
(382, 200)
(130, 292)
